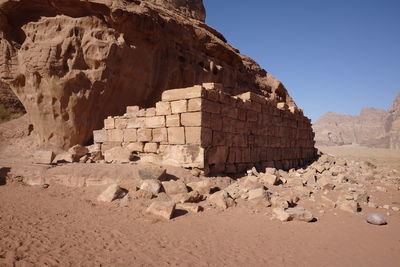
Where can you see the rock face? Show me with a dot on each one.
(73, 62)
(373, 128)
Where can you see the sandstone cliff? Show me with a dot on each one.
(74, 62)
(373, 128)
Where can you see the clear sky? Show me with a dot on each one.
(338, 56)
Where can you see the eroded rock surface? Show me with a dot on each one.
(372, 128)
(72, 63)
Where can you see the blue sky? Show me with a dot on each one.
(338, 56)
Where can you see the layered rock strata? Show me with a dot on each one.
(372, 128)
(206, 128)
(73, 62)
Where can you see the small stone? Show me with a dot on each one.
(164, 210)
(152, 171)
(270, 179)
(300, 214)
(44, 157)
(111, 193)
(117, 154)
(395, 208)
(258, 193)
(221, 199)
(372, 205)
(203, 187)
(190, 197)
(386, 207)
(78, 151)
(349, 206)
(190, 207)
(143, 194)
(150, 185)
(45, 186)
(280, 214)
(382, 189)
(376, 219)
(174, 187)
(65, 157)
(125, 201)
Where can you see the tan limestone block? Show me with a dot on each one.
(144, 135)
(176, 135)
(150, 148)
(179, 106)
(100, 136)
(108, 145)
(193, 135)
(191, 119)
(173, 120)
(213, 86)
(155, 122)
(184, 93)
(135, 147)
(121, 123)
(160, 135)
(130, 135)
(109, 123)
(194, 104)
(163, 108)
(135, 123)
(132, 110)
(115, 135)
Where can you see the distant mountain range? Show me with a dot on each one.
(372, 128)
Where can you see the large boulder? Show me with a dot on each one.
(73, 62)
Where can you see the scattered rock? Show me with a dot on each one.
(117, 154)
(382, 189)
(44, 156)
(111, 193)
(270, 179)
(386, 207)
(190, 197)
(45, 186)
(296, 213)
(143, 194)
(164, 210)
(151, 185)
(152, 171)
(64, 157)
(174, 187)
(280, 214)
(203, 187)
(189, 207)
(221, 199)
(78, 151)
(257, 194)
(376, 219)
(349, 206)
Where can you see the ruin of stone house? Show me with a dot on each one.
(204, 127)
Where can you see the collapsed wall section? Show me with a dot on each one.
(204, 127)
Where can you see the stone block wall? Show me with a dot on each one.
(204, 127)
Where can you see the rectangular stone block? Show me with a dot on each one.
(213, 86)
(250, 96)
(109, 123)
(160, 135)
(184, 156)
(191, 119)
(150, 112)
(211, 107)
(135, 123)
(206, 137)
(184, 93)
(141, 113)
(135, 147)
(155, 122)
(115, 135)
(212, 95)
(121, 123)
(193, 135)
(132, 110)
(108, 145)
(217, 154)
(99, 136)
(163, 108)
(130, 135)
(144, 135)
(150, 148)
(179, 106)
(176, 135)
(173, 120)
(194, 104)
(218, 138)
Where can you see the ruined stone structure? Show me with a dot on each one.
(206, 128)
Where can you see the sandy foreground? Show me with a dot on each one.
(66, 226)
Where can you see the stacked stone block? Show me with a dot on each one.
(204, 127)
